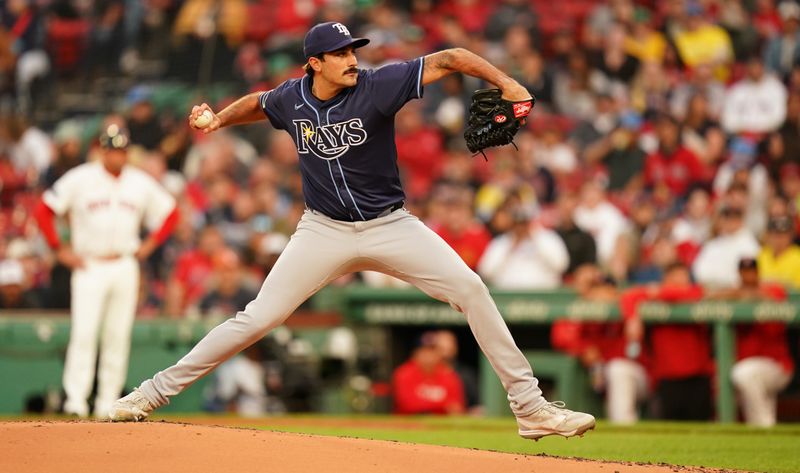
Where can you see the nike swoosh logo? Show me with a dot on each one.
(298, 106)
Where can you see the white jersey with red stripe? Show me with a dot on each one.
(106, 212)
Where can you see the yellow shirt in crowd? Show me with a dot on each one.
(707, 44)
(649, 48)
(784, 269)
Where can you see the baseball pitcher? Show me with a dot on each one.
(107, 201)
(342, 122)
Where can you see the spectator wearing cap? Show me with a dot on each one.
(716, 264)
(672, 169)
(756, 104)
(645, 42)
(779, 259)
(702, 42)
(143, 123)
(12, 292)
(529, 256)
(426, 384)
(742, 170)
(620, 153)
(782, 51)
(764, 364)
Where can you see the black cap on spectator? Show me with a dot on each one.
(781, 224)
(748, 263)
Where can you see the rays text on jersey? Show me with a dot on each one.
(328, 141)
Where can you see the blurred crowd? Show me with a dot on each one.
(666, 134)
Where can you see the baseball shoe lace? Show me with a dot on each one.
(554, 419)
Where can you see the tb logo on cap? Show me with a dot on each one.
(341, 28)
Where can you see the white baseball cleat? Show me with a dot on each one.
(554, 419)
(131, 408)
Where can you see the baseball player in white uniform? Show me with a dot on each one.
(342, 122)
(106, 202)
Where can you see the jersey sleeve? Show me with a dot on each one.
(273, 106)
(61, 195)
(160, 204)
(395, 84)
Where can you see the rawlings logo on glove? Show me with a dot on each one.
(490, 119)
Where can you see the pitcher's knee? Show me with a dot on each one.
(258, 317)
(468, 288)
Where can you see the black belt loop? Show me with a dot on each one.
(395, 206)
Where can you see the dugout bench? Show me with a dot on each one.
(412, 307)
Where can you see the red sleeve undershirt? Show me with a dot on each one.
(167, 227)
(45, 217)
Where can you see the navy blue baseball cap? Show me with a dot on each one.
(327, 37)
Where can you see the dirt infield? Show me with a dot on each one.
(94, 447)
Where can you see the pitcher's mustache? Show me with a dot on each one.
(352, 70)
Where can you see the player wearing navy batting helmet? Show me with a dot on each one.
(341, 119)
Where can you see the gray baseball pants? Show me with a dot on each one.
(323, 249)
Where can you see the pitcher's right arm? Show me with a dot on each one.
(245, 110)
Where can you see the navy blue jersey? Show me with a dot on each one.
(348, 158)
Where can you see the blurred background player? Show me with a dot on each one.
(106, 202)
(680, 354)
(764, 364)
(614, 359)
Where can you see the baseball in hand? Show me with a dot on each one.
(204, 119)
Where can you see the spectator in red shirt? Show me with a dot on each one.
(193, 272)
(681, 363)
(458, 227)
(672, 169)
(425, 384)
(419, 150)
(764, 366)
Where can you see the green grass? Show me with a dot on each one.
(711, 445)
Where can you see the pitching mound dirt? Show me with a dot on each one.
(94, 447)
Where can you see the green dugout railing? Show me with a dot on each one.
(412, 307)
(32, 347)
